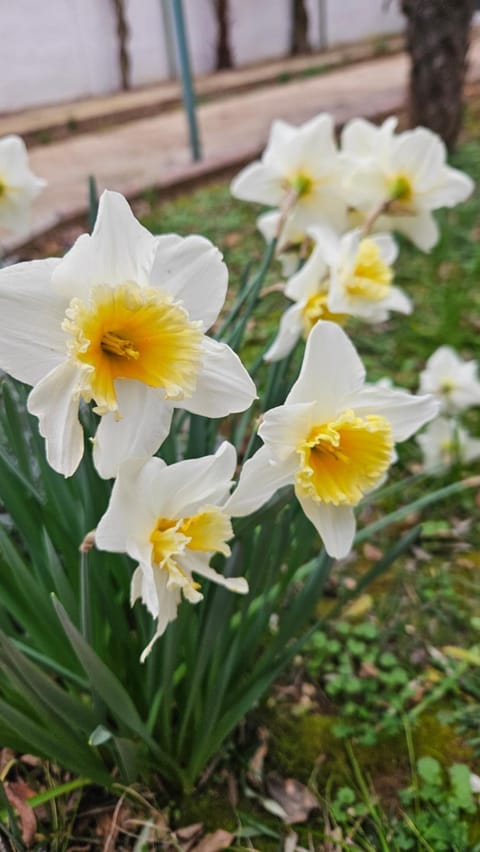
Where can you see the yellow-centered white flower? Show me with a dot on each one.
(172, 520)
(445, 442)
(344, 276)
(408, 171)
(120, 321)
(299, 170)
(18, 185)
(361, 275)
(453, 381)
(333, 439)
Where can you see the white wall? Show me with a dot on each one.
(55, 50)
(260, 30)
(146, 45)
(60, 50)
(201, 33)
(348, 20)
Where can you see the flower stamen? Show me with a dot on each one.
(117, 345)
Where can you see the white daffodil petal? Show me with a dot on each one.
(359, 138)
(406, 413)
(289, 333)
(120, 250)
(197, 563)
(308, 279)
(310, 138)
(365, 186)
(323, 204)
(257, 182)
(458, 187)
(125, 518)
(55, 400)
(443, 361)
(335, 525)
(284, 428)
(387, 246)
(14, 159)
(150, 586)
(327, 245)
(259, 479)
(421, 229)
(192, 271)
(183, 488)
(15, 210)
(330, 372)
(397, 300)
(223, 384)
(142, 427)
(19, 186)
(32, 342)
(419, 153)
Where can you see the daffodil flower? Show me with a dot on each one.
(344, 276)
(453, 381)
(119, 321)
(406, 173)
(18, 185)
(309, 291)
(300, 172)
(361, 275)
(444, 442)
(172, 521)
(333, 439)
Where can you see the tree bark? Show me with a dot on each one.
(122, 35)
(437, 37)
(299, 42)
(224, 52)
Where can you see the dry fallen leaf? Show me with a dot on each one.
(17, 796)
(296, 800)
(370, 551)
(214, 842)
(189, 831)
(232, 239)
(187, 837)
(255, 766)
(368, 670)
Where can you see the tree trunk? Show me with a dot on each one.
(437, 39)
(122, 35)
(224, 53)
(299, 42)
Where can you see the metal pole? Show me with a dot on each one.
(187, 87)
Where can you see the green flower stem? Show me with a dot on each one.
(248, 298)
(85, 614)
